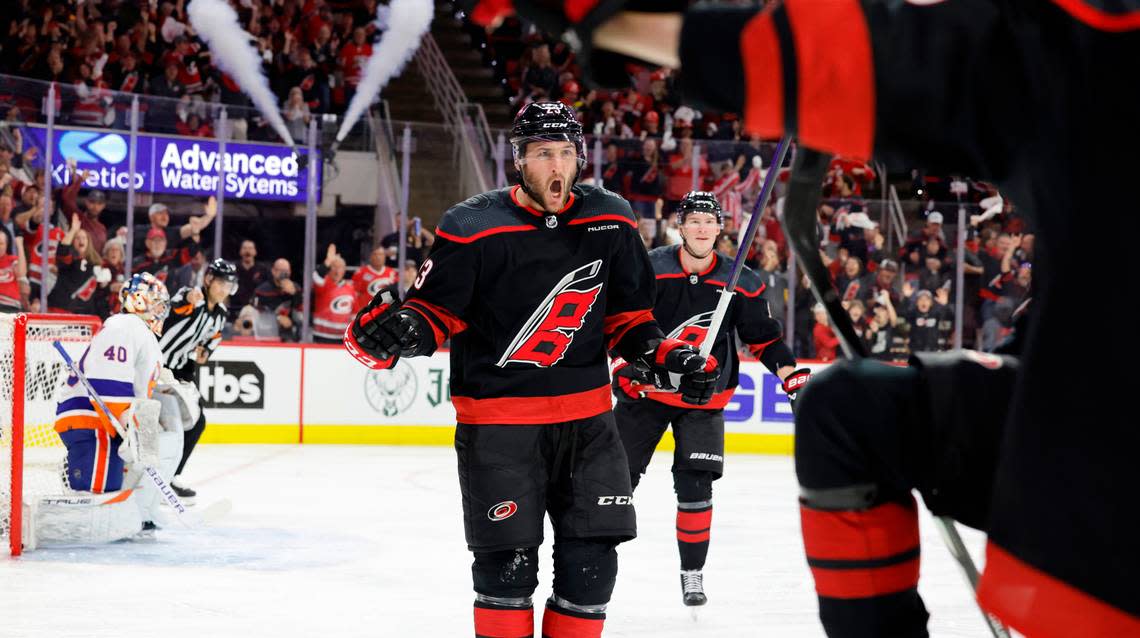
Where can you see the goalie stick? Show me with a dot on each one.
(214, 511)
(805, 187)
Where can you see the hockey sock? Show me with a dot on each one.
(865, 566)
(189, 440)
(496, 620)
(563, 620)
(694, 522)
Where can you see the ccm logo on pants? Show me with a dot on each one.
(615, 500)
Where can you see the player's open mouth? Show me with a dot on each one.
(556, 188)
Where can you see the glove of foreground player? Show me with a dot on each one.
(381, 332)
(698, 374)
(629, 381)
(795, 382)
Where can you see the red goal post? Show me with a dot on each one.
(31, 375)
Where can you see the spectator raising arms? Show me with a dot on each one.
(333, 299)
(13, 278)
(81, 283)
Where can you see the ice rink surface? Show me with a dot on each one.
(368, 541)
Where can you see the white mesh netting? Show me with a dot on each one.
(44, 373)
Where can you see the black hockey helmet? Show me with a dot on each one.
(550, 122)
(699, 202)
(224, 270)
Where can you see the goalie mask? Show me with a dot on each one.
(146, 296)
(546, 122)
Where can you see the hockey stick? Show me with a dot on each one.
(729, 290)
(184, 516)
(805, 188)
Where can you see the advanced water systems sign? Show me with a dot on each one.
(174, 165)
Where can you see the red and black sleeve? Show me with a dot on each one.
(631, 292)
(442, 291)
(852, 78)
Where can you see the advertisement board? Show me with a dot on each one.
(168, 164)
(319, 394)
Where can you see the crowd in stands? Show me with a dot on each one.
(99, 51)
(654, 149)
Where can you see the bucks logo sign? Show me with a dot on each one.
(391, 392)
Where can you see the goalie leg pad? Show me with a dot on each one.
(81, 518)
(93, 462)
(168, 451)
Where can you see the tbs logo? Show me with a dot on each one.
(232, 384)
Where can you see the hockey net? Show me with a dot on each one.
(31, 375)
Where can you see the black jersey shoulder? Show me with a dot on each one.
(750, 283)
(599, 204)
(665, 260)
(479, 216)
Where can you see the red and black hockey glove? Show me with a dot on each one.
(698, 375)
(795, 382)
(629, 382)
(381, 332)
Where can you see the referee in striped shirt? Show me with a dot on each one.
(190, 335)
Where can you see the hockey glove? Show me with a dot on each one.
(698, 375)
(794, 382)
(629, 381)
(381, 332)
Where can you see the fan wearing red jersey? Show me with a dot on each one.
(690, 279)
(332, 299)
(371, 278)
(533, 284)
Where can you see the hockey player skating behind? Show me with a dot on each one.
(533, 284)
(122, 362)
(690, 278)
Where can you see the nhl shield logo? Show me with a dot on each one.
(693, 279)
(551, 221)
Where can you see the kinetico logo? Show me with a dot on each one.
(89, 148)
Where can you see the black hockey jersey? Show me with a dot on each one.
(532, 301)
(684, 309)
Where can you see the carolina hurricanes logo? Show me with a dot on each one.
(341, 304)
(85, 291)
(502, 511)
(547, 335)
(694, 329)
(378, 283)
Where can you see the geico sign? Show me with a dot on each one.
(764, 403)
(232, 384)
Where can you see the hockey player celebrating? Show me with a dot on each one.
(989, 441)
(122, 363)
(690, 278)
(532, 284)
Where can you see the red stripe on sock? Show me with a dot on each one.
(865, 583)
(556, 624)
(692, 521)
(504, 623)
(692, 537)
(882, 531)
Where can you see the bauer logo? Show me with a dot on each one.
(236, 385)
(391, 392)
(502, 511)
